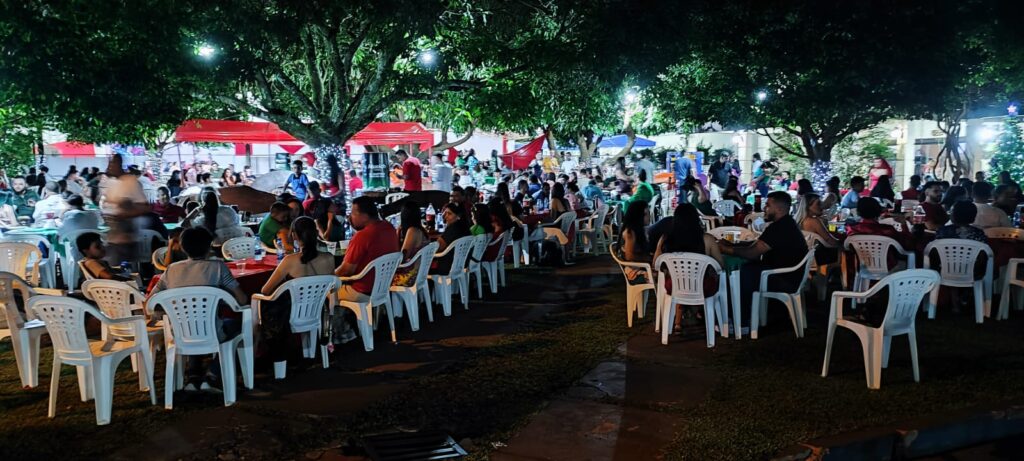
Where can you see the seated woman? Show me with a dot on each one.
(274, 315)
(214, 217)
(90, 244)
(412, 237)
(687, 236)
(962, 226)
(481, 220)
(809, 218)
(732, 191)
(559, 204)
(634, 241)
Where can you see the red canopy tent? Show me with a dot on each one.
(520, 158)
(231, 131)
(71, 149)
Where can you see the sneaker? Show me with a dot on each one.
(211, 388)
(191, 387)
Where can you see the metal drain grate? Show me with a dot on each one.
(402, 446)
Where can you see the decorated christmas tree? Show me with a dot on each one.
(1009, 152)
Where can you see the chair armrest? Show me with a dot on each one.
(262, 297)
(445, 252)
(366, 270)
(784, 270)
(49, 292)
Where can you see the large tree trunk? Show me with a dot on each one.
(951, 157)
(588, 145)
(631, 136)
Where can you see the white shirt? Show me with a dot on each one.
(569, 165)
(990, 216)
(74, 220)
(442, 177)
(648, 167)
(53, 206)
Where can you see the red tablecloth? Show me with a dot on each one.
(251, 279)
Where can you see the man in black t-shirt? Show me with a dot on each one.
(781, 245)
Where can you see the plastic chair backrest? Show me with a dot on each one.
(726, 208)
(65, 322)
(460, 254)
(191, 316)
(384, 271)
(1004, 233)
(687, 270)
(807, 263)
(872, 251)
(36, 240)
(115, 299)
(565, 221)
(394, 197)
(71, 254)
(906, 290)
(308, 295)
(479, 247)
(745, 234)
(9, 284)
(227, 233)
(602, 216)
(15, 257)
(239, 248)
(426, 256)
(501, 241)
(144, 238)
(957, 258)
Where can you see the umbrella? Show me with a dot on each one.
(247, 199)
(270, 181)
(621, 140)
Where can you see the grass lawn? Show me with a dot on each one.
(772, 395)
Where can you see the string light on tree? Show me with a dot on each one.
(1009, 149)
(821, 171)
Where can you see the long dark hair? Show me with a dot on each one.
(558, 193)
(883, 189)
(499, 212)
(634, 221)
(503, 192)
(482, 217)
(410, 219)
(304, 229)
(210, 208)
(832, 185)
(334, 169)
(686, 234)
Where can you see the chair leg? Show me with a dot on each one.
(1004, 302)
(872, 343)
(425, 289)
(933, 299)
(755, 315)
(886, 348)
(667, 308)
(630, 307)
(828, 347)
(365, 327)
(642, 308)
(85, 389)
(246, 359)
(710, 306)
(912, 337)
(791, 306)
(54, 385)
(169, 378)
(103, 383)
(391, 321)
(979, 303)
(228, 381)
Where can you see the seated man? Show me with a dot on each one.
(935, 215)
(167, 211)
(90, 244)
(853, 196)
(51, 207)
(781, 245)
(373, 238)
(869, 212)
(24, 200)
(988, 215)
(200, 271)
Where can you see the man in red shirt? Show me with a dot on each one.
(870, 211)
(412, 171)
(354, 182)
(912, 193)
(374, 238)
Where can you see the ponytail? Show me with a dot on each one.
(305, 229)
(210, 207)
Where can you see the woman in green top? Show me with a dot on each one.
(699, 198)
(481, 220)
(644, 192)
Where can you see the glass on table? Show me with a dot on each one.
(332, 247)
(240, 265)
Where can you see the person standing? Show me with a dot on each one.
(568, 164)
(719, 176)
(125, 200)
(441, 173)
(682, 168)
(646, 165)
(298, 182)
(412, 171)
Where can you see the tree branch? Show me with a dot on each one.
(316, 85)
(444, 144)
(764, 132)
(297, 93)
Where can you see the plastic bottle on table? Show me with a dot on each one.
(257, 252)
(279, 246)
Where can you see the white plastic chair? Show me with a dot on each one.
(873, 258)
(495, 268)
(1010, 282)
(224, 234)
(821, 273)
(473, 266)
(794, 301)
(190, 328)
(521, 248)
(558, 232)
(96, 360)
(383, 269)
(47, 266)
(590, 231)
(158, 258)
(687, 270)
(957, 258)
(727, 208)
(408, 296)
(710, 221)
(636, 294)
(906, 291)
(751, 221)
(456, 278)
(308, 297)
(239, 248)
(394, 197)
(909, 205)
(21, 259)
(69, 260)
(144, 239)
(745, 234)
(119, 300)
(25, 334)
